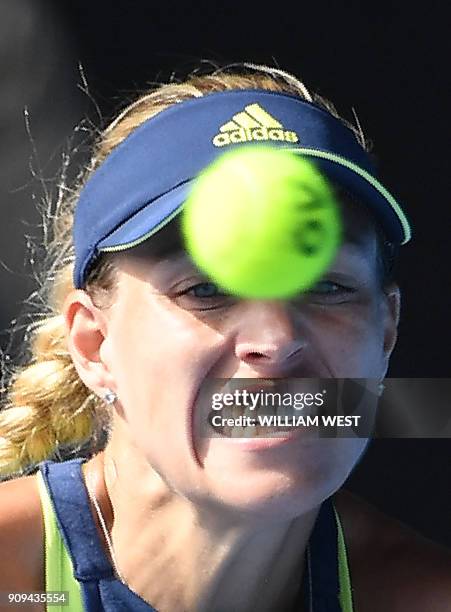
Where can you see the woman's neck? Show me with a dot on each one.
(178, 557)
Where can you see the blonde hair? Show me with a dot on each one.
(47, 411)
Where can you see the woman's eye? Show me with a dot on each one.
(326, 289)
(204, 296)
(204, 290)
(208, 296)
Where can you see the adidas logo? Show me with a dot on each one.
(252, 124)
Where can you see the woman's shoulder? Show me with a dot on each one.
(392, 567)
(21, 535)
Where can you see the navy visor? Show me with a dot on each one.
(145, 181)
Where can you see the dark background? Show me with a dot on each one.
(388, 60)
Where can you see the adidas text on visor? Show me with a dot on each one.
(145, 181)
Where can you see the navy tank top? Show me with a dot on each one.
(102, 591)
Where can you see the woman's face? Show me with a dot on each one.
(169, 331)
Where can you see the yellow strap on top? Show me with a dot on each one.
(343, 570)
(59, 574)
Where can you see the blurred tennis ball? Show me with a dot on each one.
(262, 223)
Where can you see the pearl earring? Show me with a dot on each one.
(380, 388)
(110, 397)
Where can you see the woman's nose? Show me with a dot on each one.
(269, 340)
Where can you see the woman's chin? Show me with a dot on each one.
(266, 493)
(284, 480)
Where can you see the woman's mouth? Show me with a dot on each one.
(262, 409)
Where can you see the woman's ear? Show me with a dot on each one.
(86, 327)
(392, 307)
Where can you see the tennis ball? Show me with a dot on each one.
(261, 222)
